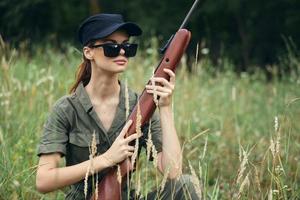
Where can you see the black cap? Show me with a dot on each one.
(102, 25)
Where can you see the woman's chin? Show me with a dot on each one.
(119, 68)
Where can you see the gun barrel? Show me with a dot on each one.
(189, 14)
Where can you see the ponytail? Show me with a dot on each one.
(83, 74)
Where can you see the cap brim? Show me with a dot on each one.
(131, 28)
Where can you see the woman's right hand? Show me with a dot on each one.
(120, 149)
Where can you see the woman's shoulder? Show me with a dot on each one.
(63, 103)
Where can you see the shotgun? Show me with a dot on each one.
(109, 188)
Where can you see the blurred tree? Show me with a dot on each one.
(40, 19)
(247, 32)
(94, 7)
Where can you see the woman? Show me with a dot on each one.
(97, 105)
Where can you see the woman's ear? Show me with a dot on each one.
(88, 53)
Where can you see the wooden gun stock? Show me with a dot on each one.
(109, 188)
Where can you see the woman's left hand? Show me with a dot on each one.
(164, 89)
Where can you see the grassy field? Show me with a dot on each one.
(240, 134)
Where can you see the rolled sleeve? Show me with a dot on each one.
(55, 133)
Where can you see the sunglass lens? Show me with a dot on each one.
(130, 49)
(111, 50)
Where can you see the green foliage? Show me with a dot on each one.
(250, 31)
(219, 116)
(40, 19)
(247, 32)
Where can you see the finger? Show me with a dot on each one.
(129, 154)
(127, 148)
(130, 148)
(160, 94)
(159, 89)
(171, 74)
(163, 81)
(168, 88)
(125, 129)
(131, 138)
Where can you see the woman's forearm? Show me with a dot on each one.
(50, 178)
(171, 153)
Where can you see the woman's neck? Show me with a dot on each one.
(103, 87)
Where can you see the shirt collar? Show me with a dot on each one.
(85, 99)
(122, 95)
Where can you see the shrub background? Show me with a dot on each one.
(249, 33)
(225, 122)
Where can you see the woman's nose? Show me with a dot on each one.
(122, 51)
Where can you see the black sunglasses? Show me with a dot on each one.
(113, 50)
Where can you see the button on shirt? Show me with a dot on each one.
(72, 122)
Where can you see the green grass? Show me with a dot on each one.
(233, 113)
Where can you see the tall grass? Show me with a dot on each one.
(225, 122)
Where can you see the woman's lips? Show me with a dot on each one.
(120, 61)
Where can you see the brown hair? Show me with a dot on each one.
(84, 70)
(83, 74)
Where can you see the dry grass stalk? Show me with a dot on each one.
(276, 124)
(138, 120)
(233, 93)
(242, 166)
(198, 135)
(164, 180)
(155, 99)
(244, 184)
(90, 169)
(272, 147)
(96, 189)
(275, 146)
(240, 153)
(134, 156)
(154, 154)
(200, 171)
(257, 181)
(1, 137)
(197, 55)
(139, 132)
(190, 153)
(270, 195)
(277, 167)
(86, 181)
(138, 187)
(126, 100)
(127, 109)
(195, 181)
(149, 141)
(2, 43)
(204, 148)
(119, 174)
(93, 152)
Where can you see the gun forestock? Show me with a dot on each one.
(170, 60)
